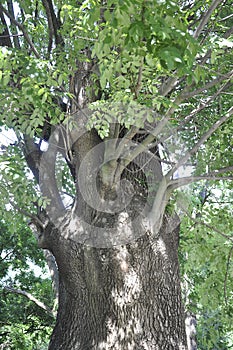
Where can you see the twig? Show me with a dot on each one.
(225, 18)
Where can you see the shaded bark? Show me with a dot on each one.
(5, 37)
(191, 331)
(119, 284)
(126, 297)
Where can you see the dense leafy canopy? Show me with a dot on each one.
(174, 57)
(24, 325)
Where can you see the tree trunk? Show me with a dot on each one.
(126, 297)
(119, 285)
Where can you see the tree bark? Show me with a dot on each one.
(119, 284)
(126, 297)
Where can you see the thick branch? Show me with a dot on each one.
(21, 27)
(167, 86)
(174, 184)
(32, 298)
(214, 175)
(47, 176)
(33, 155)
(5, 37)
(50, 25)
(53, 270)
(44, 172)
(145, 144)
(14, 28)
(53, 22)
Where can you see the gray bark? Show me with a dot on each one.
(127, 297)
(191, 324)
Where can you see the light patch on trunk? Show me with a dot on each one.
(121, 337)
(131, 286)
(74, 230)
(160, 247)
(124, 228)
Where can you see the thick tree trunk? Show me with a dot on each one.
(119, 285)
(127, 297)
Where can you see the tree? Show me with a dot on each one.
(116, 102)
(25, 321)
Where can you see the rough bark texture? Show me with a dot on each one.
(191, 324)
(126, 297)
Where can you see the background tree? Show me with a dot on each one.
(25, 318)
(108, 109)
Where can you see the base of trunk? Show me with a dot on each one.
(123, 298)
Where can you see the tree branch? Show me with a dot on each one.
(34, 218)
(174, 184)
(146, 144)
(50, 25)
(47, 176)
(167, 86)
(171, 82)
(51, 262)
(203, 105)
(32, 155)
(206, 17)
(14, 28)
(214, 175)
(31, 298)
(208, 54)
(21, 27)
(139, 82)
(204, 137)
(53, 22)
(5, 37)
(207, 86)
(200, 222)
(226, 274)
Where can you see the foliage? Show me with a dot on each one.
(23, 325)
(206, 264)
(156, 54)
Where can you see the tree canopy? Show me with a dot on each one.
(161, 66)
